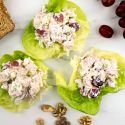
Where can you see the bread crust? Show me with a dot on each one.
(6, 23)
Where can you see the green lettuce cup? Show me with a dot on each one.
(5, 100)
(32, 46)
(71, 93)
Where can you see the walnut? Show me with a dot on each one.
(85, 120)
(39, 121)
(62, 121)
(60, 110)
(47, 108)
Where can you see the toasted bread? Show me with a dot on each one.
(6, 24)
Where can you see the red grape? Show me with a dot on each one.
(108, 3)
(124, 34)
(14, 63)
(122, 22)
(94, 92)
(59, 18)
(120, 11)
(41, 32)
(106, 31)
(122, 3)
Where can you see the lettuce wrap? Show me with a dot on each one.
(71, 93)
(32, 46)
(5, 100)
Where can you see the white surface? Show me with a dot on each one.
(112, 110)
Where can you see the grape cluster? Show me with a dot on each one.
(105, 30)
(120, 11)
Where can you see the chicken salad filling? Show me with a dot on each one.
(51, 28)
(21, 79)
(96, 73)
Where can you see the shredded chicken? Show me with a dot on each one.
(51, 28)
(96, 73)
(22, 79)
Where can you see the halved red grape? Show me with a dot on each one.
(14, 63)
(59, 18)
(94, 92)
(122, 22)
(120, 11)
(124, 34)
(106, 31)
(41, 32)
(108, 3)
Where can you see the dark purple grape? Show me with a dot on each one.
(106, 31)
(97, 82)
(108, 3)
(94, 92)
(122, 22)
(120, 11)
(124, 34)
(75, 25)
(14, 63)
(100, 83)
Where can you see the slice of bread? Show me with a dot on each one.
(6, 24)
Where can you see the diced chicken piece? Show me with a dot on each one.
(3, 77)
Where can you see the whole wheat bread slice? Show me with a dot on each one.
(6, 24)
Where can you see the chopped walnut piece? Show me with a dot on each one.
(60, 110)
(39, 121)
(47, 108)
(62, 121)
(85, 120)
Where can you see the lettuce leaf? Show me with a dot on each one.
(31, 45)
(70, 92)
(5, 100)
(55, 5)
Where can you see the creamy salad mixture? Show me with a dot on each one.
(96, 73)
(51, 28)
(22, 79)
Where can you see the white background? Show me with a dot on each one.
(112, 110)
